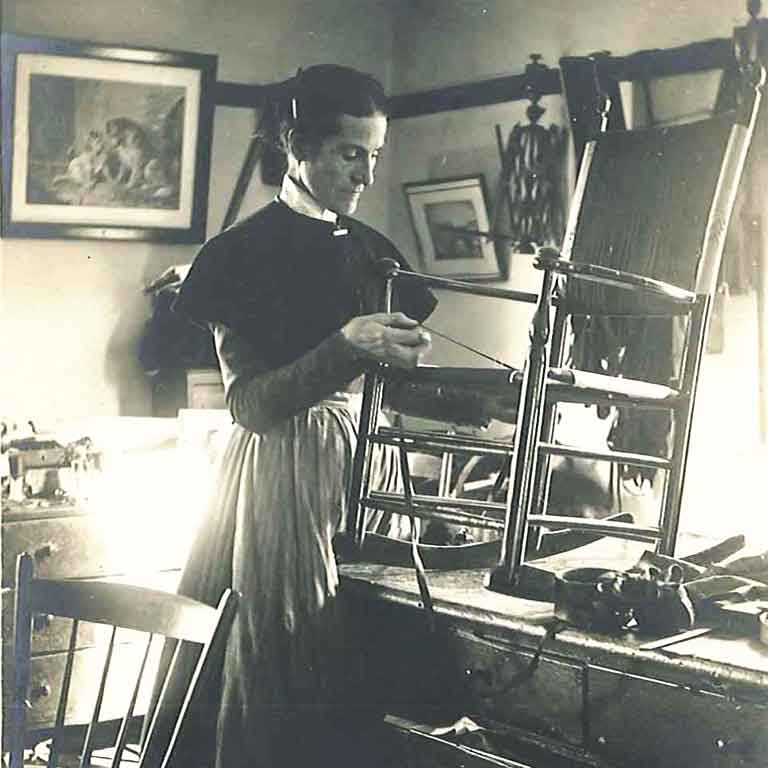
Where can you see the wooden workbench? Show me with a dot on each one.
(552, 695)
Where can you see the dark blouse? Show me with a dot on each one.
(285, 282)
(276, 289)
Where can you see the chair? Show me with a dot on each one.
(644, 242)
(452, 395)
(131, 618)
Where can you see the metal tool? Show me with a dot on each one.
(679, 637)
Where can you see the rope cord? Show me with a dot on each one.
(468, 348)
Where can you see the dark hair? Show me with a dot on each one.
(311, 103)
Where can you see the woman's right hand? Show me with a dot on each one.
(386, 337)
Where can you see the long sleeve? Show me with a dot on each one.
(258, 398)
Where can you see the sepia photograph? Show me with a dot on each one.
(384, 384)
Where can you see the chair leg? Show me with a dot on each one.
(543, 472)
(504, 577)
(670, 514)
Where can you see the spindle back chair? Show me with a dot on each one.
(133, 616)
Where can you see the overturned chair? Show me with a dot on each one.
(645, 237)
(644, 241)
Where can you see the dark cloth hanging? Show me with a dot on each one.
(170, 341)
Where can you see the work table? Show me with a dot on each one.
(594, 699)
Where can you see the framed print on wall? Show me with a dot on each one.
(105, 142)
(447, 216)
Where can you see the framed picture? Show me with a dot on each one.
(105, 142)
(447, 216)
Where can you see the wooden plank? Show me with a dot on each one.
(483, 93)
(667, 62)
(708, 54)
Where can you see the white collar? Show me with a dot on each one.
(298, 199)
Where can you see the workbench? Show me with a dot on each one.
(547, 694)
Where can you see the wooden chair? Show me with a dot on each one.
(451, 395)
(645, 237)
(644, 242)
(128, 616)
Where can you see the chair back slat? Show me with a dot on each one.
(122, 737)
(167, 709)
(85, 757)
(159, 615)
(22, 647)
(66, 683)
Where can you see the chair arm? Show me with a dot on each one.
(462, 286)
(549, 259)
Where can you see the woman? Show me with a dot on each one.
(291, 295)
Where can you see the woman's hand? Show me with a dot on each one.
(392, 338)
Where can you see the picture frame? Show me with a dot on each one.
(105, 142)
(446, 215)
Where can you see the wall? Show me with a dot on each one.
(440, 42)
(72, 310)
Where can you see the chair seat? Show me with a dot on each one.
(436, 392)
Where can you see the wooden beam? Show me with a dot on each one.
(244, 95)
(496, 90)
(483, 93)
(665, 62)
(709, 54)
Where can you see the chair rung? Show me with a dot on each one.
(440, 442)
(603, 527)
(455, 511)
(619, 457)
(461, 286)
(568, 393)
(615, 385)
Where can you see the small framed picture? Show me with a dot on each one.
(450, 217)
(105, 142)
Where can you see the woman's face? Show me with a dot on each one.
(343, 166)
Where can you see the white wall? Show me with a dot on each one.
(72, 310)
(440, 42)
